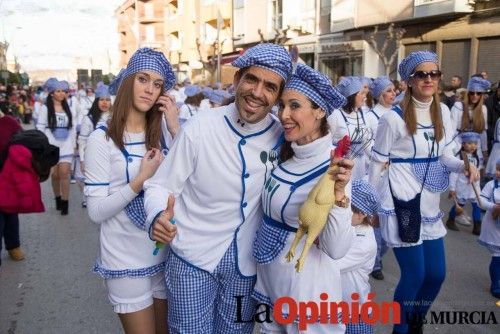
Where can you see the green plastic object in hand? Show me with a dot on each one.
(159, 245)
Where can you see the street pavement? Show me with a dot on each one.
(54, 291)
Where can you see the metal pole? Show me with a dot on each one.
(219, 19)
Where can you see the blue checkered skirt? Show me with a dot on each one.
(135, 211)
(437, 179)
(269, 242)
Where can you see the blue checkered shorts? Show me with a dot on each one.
(203, 302)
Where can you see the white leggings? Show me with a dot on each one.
(129, 295)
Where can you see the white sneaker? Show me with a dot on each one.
(464, 220)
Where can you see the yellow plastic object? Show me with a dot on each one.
(313, 215)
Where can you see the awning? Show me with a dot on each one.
(228, 58)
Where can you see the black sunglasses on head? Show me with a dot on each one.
(422, 75)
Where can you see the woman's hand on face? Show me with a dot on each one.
(150, 163)
(168, 107)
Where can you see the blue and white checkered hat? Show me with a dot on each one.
(63, 85)
(192, 90)
(51, 84)
(349, 86)
(146, 59)
(207, 91)
(365, 80)
(272, 57)
(477, 84)
(365, 197)
(317, 87)
(102, 91)
(218, 96)
(470, 137)
(408, 65)
(379, 85)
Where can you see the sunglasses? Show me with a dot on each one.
(422, 75)
(475, 93)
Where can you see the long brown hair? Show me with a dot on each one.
(119, 113)
(478, 123)
(286, 151)
(410, 115)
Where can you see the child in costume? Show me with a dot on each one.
(461, 189)
(490, 232)
(357, 264)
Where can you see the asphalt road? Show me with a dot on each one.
(54, 290)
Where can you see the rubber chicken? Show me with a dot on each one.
(313, 213)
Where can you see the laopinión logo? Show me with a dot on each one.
(287, 310)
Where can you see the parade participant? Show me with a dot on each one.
(98, 115)
(57, 121)
(416, 140)
(476, 119)
(460, 188)
(495, 151)
(350, 118)
(307, 99)
(383, 91)
(205, 103)
(368, 100)
(191, 104)
(357, 264)
(490, 232)
(216, 169)
(84, 105)
(218, 98)
(119, 158)
(492, 104)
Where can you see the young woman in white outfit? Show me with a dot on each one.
(351, 119)
(98, 115)
(307, 99)
(57, 121)
(476, 119)
(416, 139)
(383, 91)
(119, 158)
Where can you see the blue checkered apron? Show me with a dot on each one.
(270, 240)
(204, 302)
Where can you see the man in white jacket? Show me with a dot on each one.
(216, 170)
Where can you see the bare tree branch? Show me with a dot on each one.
(393, 35)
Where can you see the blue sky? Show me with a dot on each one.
(61, 34)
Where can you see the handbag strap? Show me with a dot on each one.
(426, 169)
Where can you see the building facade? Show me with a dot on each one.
(464, 34)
